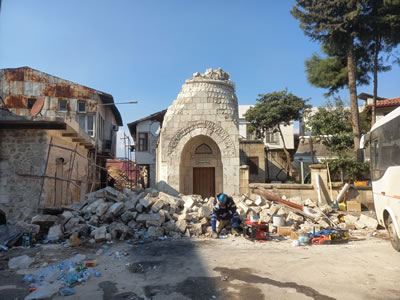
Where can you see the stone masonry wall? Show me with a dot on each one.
(206, 106)
(24, 152)
(21, 151)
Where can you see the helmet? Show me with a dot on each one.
(222, 198)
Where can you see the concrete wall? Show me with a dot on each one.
(23, 153)
(308, 191)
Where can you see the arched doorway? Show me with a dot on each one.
(201, 167)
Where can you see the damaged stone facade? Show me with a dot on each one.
(198, 151)
(67, 121)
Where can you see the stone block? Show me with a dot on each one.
(155, 219)
(310, 203)
(259, 201)
(126, 217)
(139, 207)
(69, 226)
(101, 209)
(116, 208)
(100, 234)
(349, 219)
(371, 223)
(94, 221)
(111, 194)
(204, 212)
(265, 216)
(256, 209)
(130, 205)
(181, 226)
(55, 233)
(294, 217)
(283, 211)
(243, 206)
(196, 229)
(189, 202)
(323, 224)
(147, 202)
(159, 204)
(155, 232)
(66, 215)
(44, 221)
(297, 200)
(249, 202)
(273, 209)
(91, 208)
(359, 224)
(169, 226)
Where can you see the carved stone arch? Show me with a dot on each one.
(208, 128)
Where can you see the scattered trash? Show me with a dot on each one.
(20, 262)
(96, 273)
(295, 243)
(66, 291)
(106, 247)
(91, 263)
(4, 248)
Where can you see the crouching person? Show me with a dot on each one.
(224, 214)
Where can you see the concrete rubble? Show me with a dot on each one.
(108, 214)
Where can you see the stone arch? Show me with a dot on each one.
(200, 173)
(207, 128)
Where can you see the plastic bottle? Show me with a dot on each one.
(66, 291)
(96, 273)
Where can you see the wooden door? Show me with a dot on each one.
(204, 182)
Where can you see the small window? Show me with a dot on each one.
(31, 102)
(143, 142)
(252, 162)
(81, 106)
(87, 123)
(62, 105)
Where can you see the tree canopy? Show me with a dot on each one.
(274, 110)
(335, 23)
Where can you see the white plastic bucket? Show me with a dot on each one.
(278, 220)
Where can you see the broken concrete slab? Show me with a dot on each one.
(101, 208)
(349, 219)
(55, 233)
(69, 226)
(45, 221)
(159, 204)
(371, 223)
(181, 225)
(116, 208)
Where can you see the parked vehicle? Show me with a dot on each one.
(383, 142)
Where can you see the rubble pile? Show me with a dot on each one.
(108, 214)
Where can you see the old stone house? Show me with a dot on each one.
(51, 133)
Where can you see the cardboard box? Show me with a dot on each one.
(284, 230)
(294, 235)
(353, 205)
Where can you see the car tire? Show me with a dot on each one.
(394, 238)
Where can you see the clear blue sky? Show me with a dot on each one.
(145, 50)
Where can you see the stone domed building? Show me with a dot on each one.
(198, 146)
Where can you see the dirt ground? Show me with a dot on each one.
(231, 268)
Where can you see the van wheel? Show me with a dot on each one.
(394, 239)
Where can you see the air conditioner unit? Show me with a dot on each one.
(115, 127)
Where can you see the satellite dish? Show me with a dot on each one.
(37, 107)
(155, 128)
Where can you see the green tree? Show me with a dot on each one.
(332, 126)
(336, 23)
(381, 34)
(272, 111)
(330, 72)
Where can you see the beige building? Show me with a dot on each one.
(198, 150)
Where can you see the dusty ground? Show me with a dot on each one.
(231, 268)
